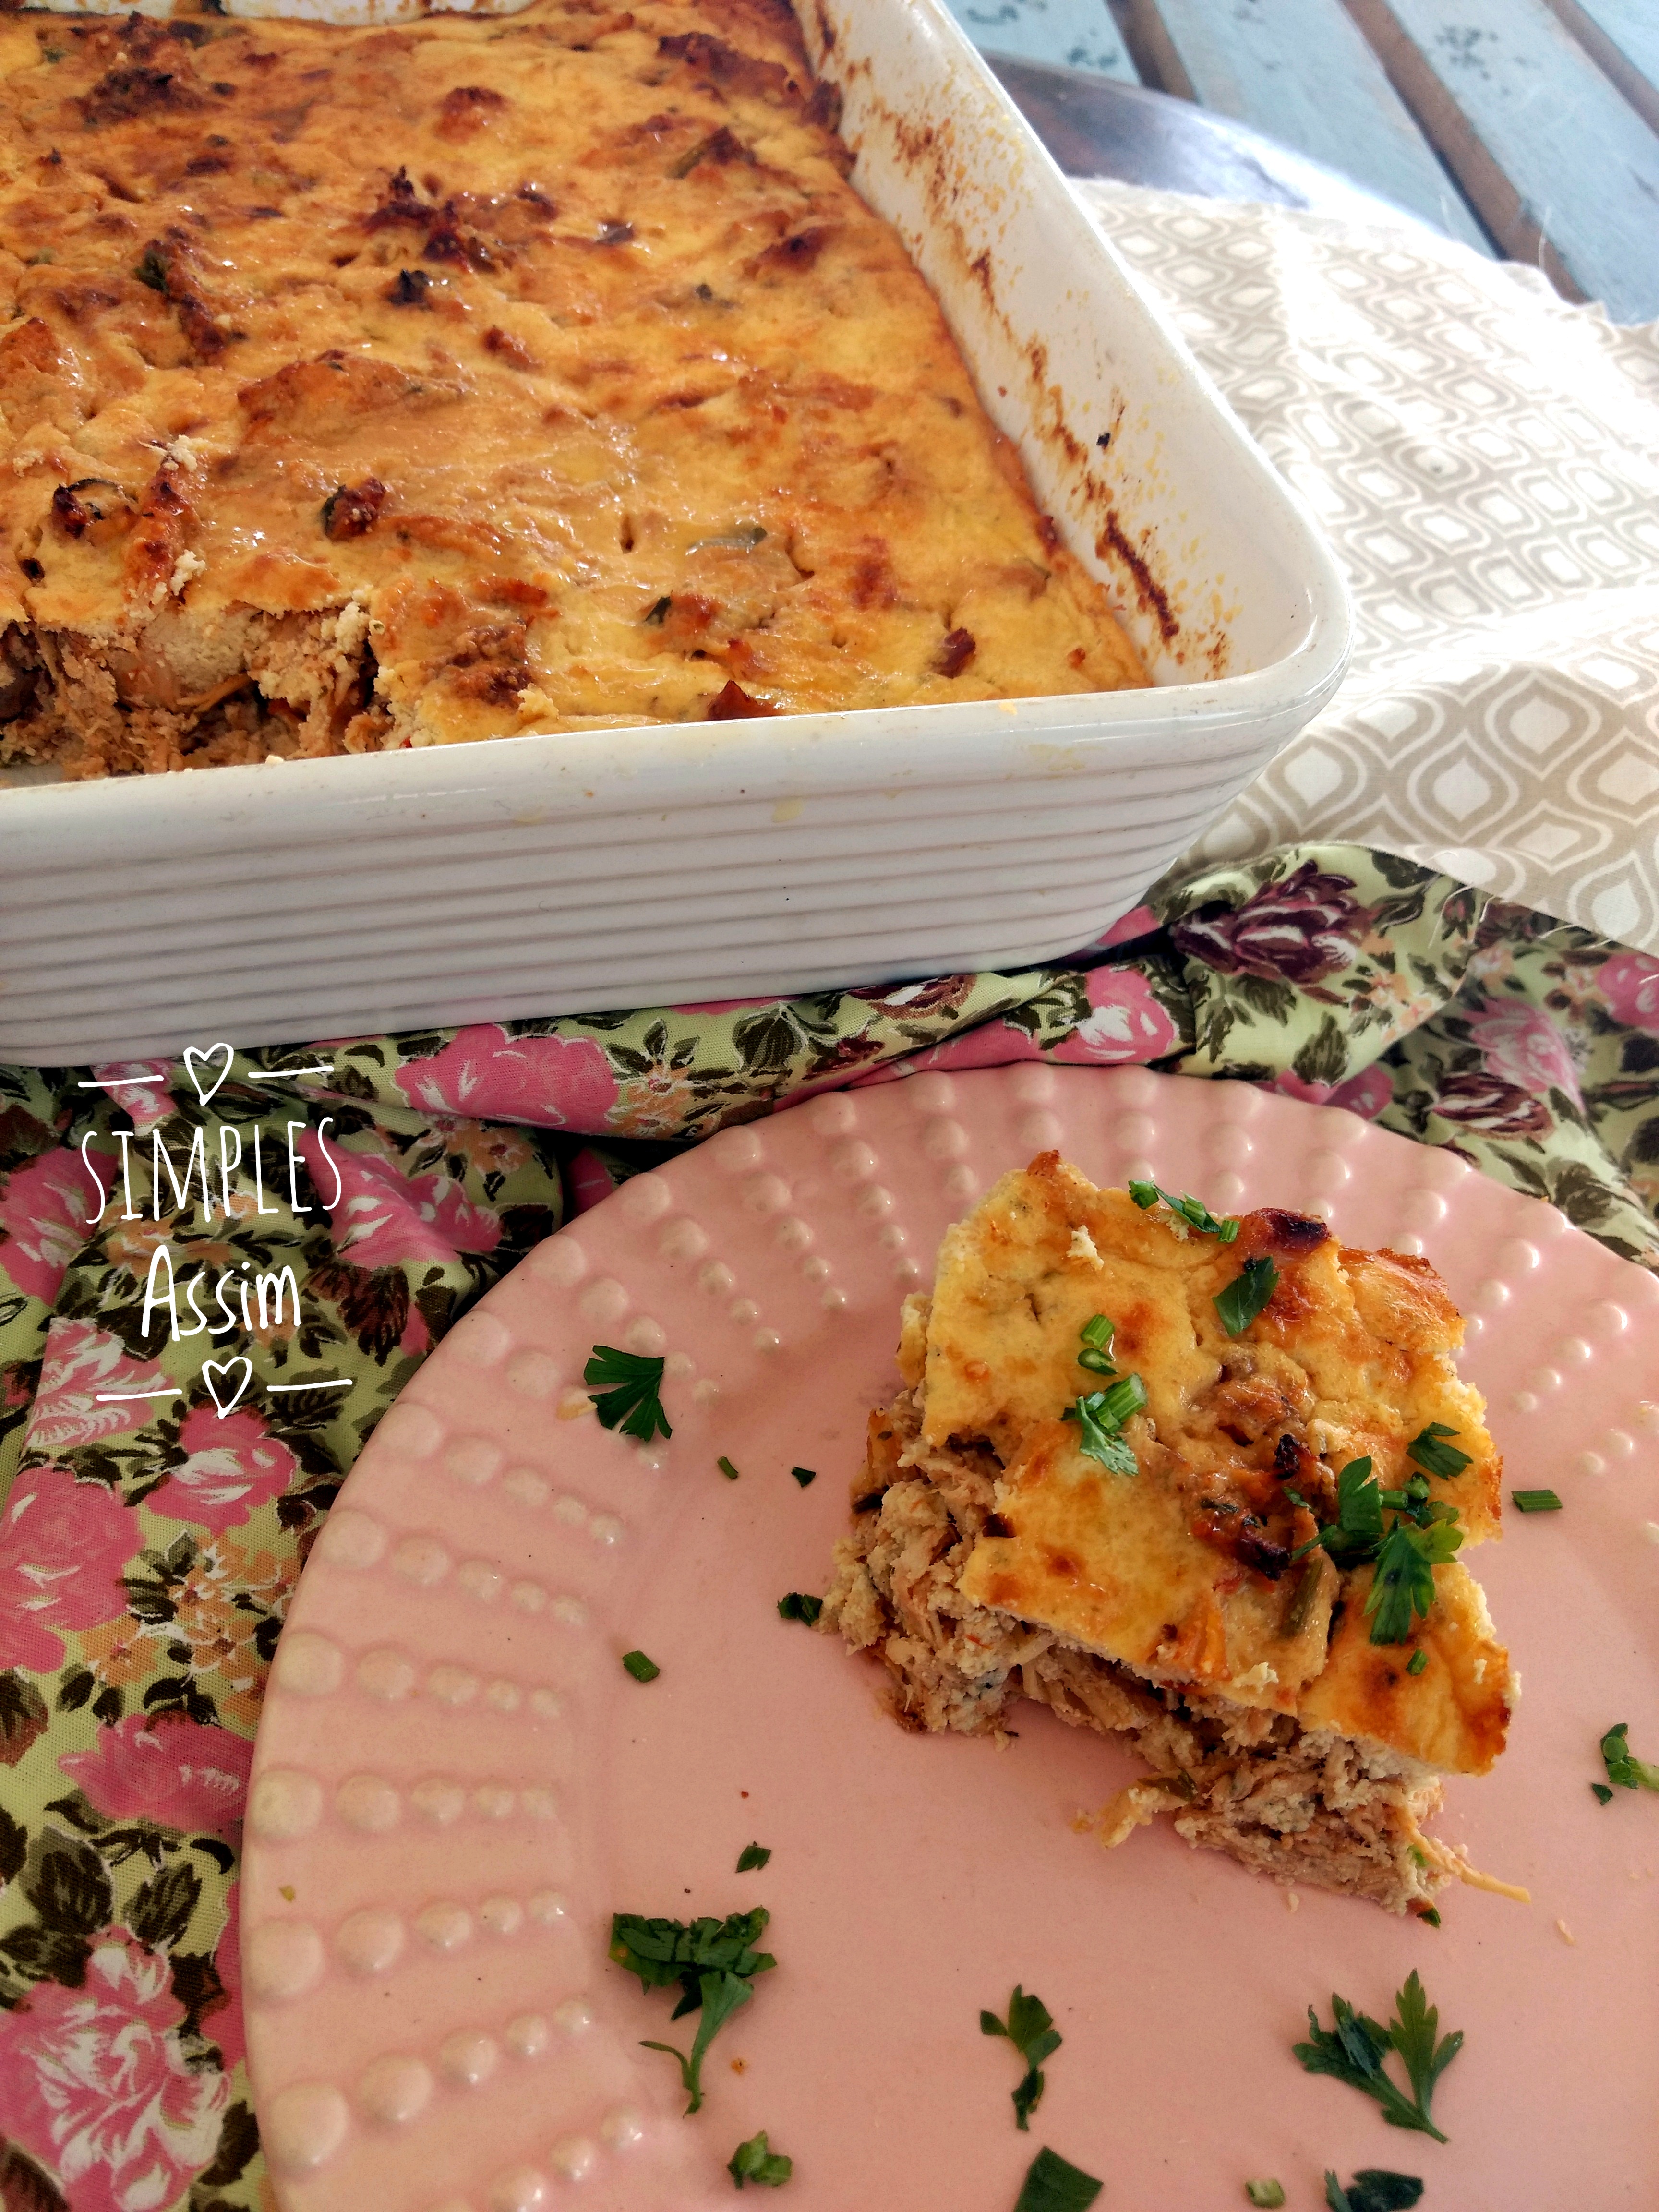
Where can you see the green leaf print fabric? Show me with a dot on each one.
(314, 1236)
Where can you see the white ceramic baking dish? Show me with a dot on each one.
(546, 874)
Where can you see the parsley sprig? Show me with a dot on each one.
(1190, 1210)
(1238, 1304)
(1354, 2049)
(1053, 2183)
(1101, 1414)
(1405, 1550)
(1030, 2028)
(1625, 1770)
(1434, 1455)
(754, 2162)
(713, 1962)
(626, 1387)
(1373, 2189)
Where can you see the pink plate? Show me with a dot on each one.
(457, 1782)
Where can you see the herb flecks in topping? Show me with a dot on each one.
(1354, 2049)
(1270, 2194)
(714, 1963)
(1243, 1298)
(1030, 2028)
(1374, 2188)
(1422, 1534)
(797, 1605)
(1625, 1772)
(1101, 1415)
(1053, 2184)
(1435, 1456)
(752, 1856)
(1417, 1662)
(804, 1475)
(626, 1385)
(754, 2162)
(1097, 1335)
(1535, 1501)
(641, 1669)
(726, 1469)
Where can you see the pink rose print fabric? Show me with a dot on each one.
(99, 2084)
(551, 1082)
(175, 1772)
(232, 1466)
(64, 1547)
(81, 1378)
(43, 1211)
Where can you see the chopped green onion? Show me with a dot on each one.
(1190, 1210)
(1417, 1662)
(1535, 1501)
(805, 1474)
(796, 1605)
(1602, 1793)
(726, 1469)
(1434, 1455)
(641, 1669)
(1430, 1916)
(1301, 1605)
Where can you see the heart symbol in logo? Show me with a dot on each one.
(226, 1380)
(209, 1059)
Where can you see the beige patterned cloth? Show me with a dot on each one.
(1485, 460)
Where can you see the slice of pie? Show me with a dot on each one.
(1174, 1478)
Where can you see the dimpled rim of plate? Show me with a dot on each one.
(456, 1782)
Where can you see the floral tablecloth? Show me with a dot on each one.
(148, 1545)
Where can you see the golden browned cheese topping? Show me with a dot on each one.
(369, 387)
(1187, 1571)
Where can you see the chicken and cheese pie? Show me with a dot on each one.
(370, 388)
(1175, 1482)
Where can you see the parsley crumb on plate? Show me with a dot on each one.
(1373, 2189)
(1053, 2184)
(754, 2162)
(1030, 2028)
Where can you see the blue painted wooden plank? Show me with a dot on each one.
(1301, 71)
(1621, 37)
(1077, 34)
(1561, 168)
